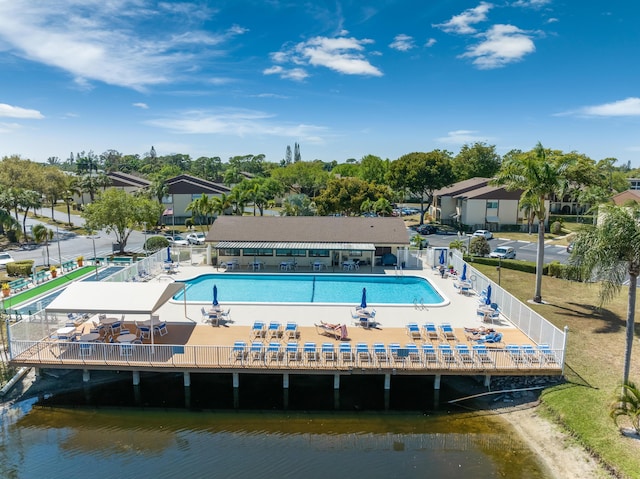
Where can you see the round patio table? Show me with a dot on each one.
(126, 338)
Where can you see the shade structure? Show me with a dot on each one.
(363, 303)
(168, 254)
(442, 256)
(463, 277)
(488, 300)
(215, 295)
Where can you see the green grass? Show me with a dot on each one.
(50, 285)
(594, 363)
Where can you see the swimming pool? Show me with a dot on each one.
(308, 288)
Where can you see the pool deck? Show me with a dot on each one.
(209, 349)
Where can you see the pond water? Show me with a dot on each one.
(117, 430)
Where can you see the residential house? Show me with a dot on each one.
(182, 190)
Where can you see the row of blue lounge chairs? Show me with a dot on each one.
(425, 355)
(431, 332)
(274, 330)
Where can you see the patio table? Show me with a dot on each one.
(126, 338)
(89, 337)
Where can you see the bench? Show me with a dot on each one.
(121, 260)
(41, 276)
(69, 265)
(19, 284)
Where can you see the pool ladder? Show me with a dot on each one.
(313, 289)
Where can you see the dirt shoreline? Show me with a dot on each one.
(556, 450)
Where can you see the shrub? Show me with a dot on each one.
(20, 268)
(479, 246)
(556, 228)
(156, 243)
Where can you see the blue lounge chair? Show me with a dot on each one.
(530, 354)
(293, 353)
(516, 354)
(274, 352)
(310, 351)
(257, 351)
(429, 353)
(446, 354)
(547, 354)
(482, 354)
(275, 330)
(448, 334)
(291, 331)
(413, 331)
(328, 352)
(413, 352)
(345, 351)
(464, 353)
(239, 351)
(362, 351)
(430, 332)
(258, 330)
(380, 352)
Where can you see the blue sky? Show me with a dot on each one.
(344, 79)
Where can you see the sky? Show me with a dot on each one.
(343, 79)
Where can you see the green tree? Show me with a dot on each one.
(346, 195)
(53, 186)
(421, 174)
(627, 404)
(298, 205)
(478, 160)
(200, 209)
(539, 175)
(120, 213)
(219, 204)
(479, 246)
(42, 234)
(304, 177)
(373, 169)
(610, 251)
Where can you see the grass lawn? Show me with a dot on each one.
(594, 363)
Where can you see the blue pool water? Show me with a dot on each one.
(308, 288)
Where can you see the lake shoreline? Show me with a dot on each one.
(557, 452)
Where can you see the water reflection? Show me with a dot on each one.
(108, 436)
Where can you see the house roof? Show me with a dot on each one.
(309, 229)
(487, 192)
(124, 179)
(187, 184)
(626, 196)
(462, 186)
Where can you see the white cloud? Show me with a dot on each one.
(461, 137)
(431, 42)
(462, 23)
(236, 122)
(531, 3)
(402, 43)
(502, 44)
(9, 127)
(144, 106)
(627, 107)
(10, 111)
(340, 54)
(98, 40)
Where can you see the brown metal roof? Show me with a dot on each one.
(491, 193)
(124, 179)
(462, 186)
(187, 184)
(309, 229)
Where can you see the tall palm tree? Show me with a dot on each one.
(42, 234)
(219, 204)
(238, 199)
(609, 252)
(540, 176)
(529, 204)
(29, 199)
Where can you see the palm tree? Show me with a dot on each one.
(540, 176)
(219, 204)
(529, 204)
(627, 404)
(610, 251)
(29, 199)
(42, 234)
(238, 199)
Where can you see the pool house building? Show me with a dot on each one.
(316, 242)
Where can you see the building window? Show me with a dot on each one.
(166, 200)
(257, 252)
(355, 252)
(318, 253)
(492, 205)
(291, 252)
(231, 252)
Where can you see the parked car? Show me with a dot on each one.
(195, 238)
(503, 252)
(484, 233)
(5, 258)
(426, 229)
(570, 247)
(177, 240)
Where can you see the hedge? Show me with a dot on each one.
(20, 268)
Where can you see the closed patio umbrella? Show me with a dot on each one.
(363, 303)
(463, 277)
(488, 300)
(442, 257)
(168, 254)
(215, 295)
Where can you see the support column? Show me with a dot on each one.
(487, 380)
(136, 378)
(86, 376)
(387, 381)
(236, 380)
(436, 382)
(187, 379)
(285, 381)
(336, 381)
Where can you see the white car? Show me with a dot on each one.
(177, 240)
(5, 258)
(503, 252)
(486, 234)
(196, 238)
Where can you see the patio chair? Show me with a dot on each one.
(362, 352)
(346, 353)
(126, 349)
(293, 352)
(86, 349)
(464, 353)
(258, 330)
(482, 354)
(239, 351)
(516, 354)
(257, 351)
(144, 332)
(115, 328)
(430, 332)
(413, 331)
(274, 352)
(429, 353)
(448, 334)
(328, 352)
(547, 354)
(413, 352)
(393, 351)
(161, 329)
(291, 331)
(446, 354)
(530, 354)
(275, 330)
(380, 352)
(310, 351)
